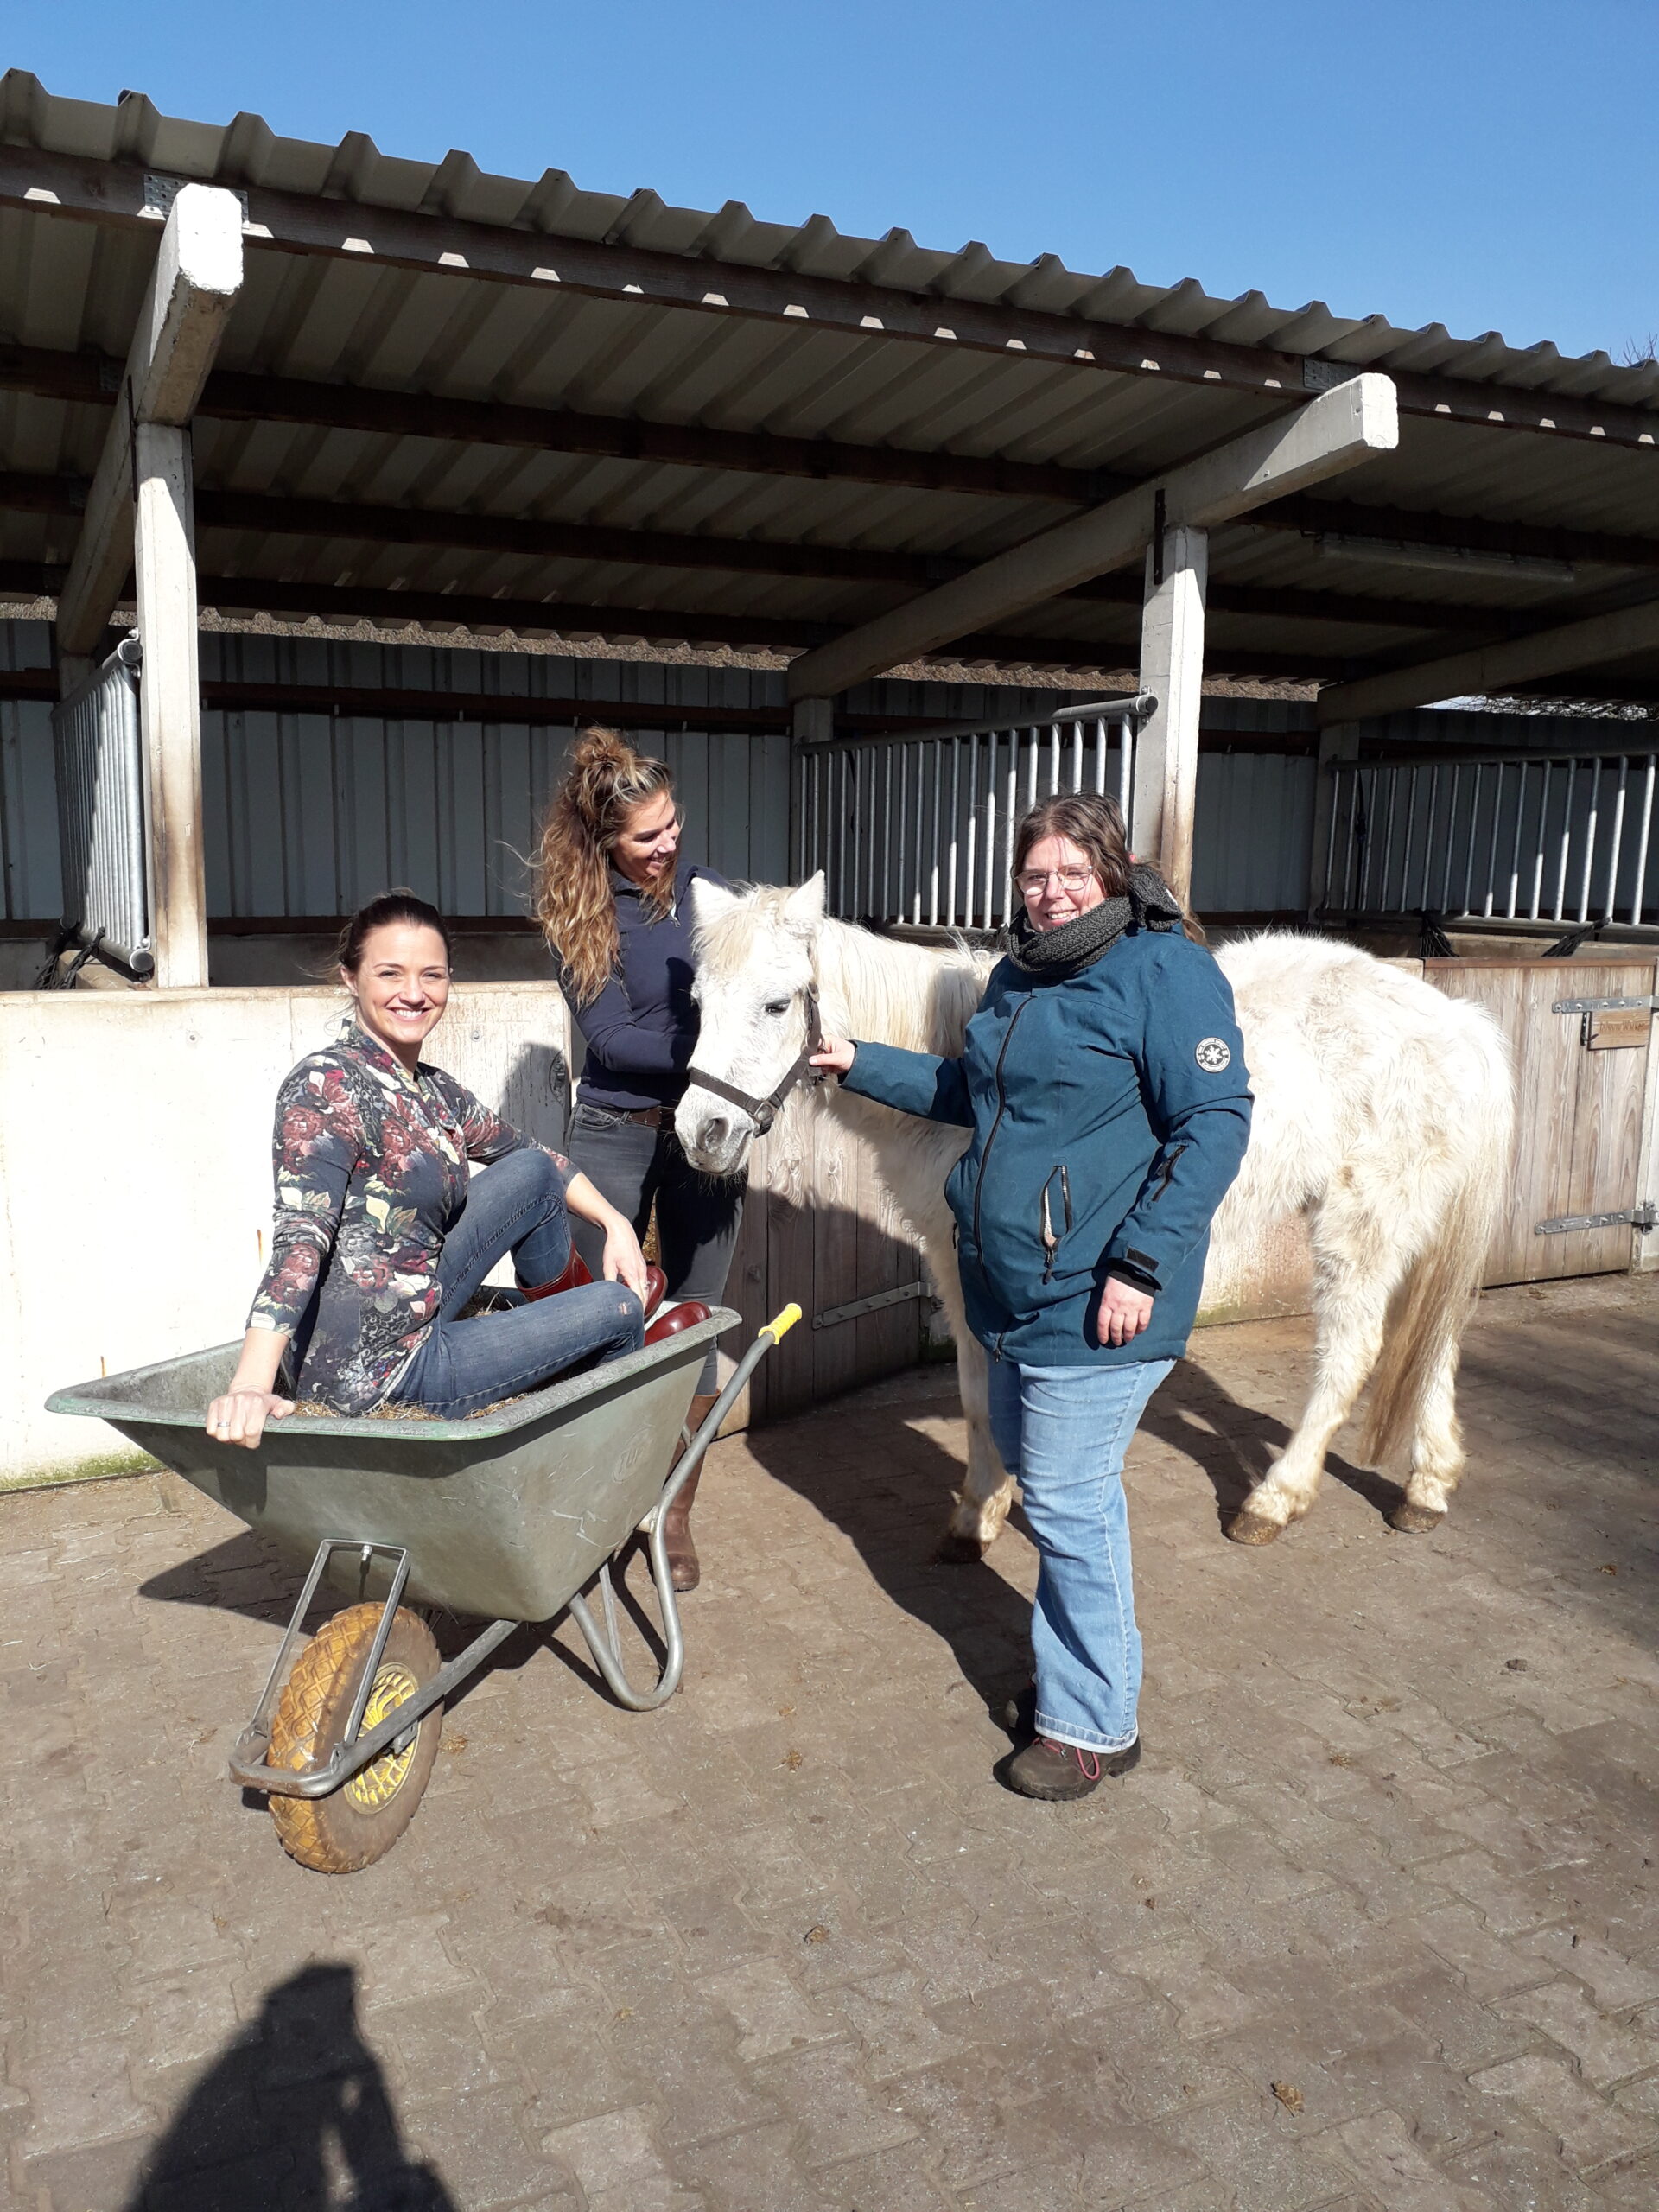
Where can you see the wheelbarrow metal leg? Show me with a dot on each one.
(247, 1763)
(607, 1647)
(605, 1644)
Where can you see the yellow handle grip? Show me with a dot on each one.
(779, 1328)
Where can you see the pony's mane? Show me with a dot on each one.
(879, 987)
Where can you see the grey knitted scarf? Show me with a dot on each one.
(1149, 903)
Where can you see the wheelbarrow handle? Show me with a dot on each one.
(779, 1328)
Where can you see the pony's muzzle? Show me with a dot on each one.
(713, 1138)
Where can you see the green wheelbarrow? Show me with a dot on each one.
(515, 1515)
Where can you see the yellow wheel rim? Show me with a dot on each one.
(382, 1779)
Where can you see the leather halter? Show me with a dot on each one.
(763, 1112)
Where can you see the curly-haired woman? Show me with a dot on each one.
(381, 1236)
(611, 898)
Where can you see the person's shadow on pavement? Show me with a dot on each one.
(295, 2110)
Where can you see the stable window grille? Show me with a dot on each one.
(100, 759)
(1545, 836)
(921, 829)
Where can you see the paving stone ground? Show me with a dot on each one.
(1375, 1925)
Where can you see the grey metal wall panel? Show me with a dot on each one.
(30, 884)
(1253, 821)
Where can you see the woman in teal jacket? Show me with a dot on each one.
(1103, 1080)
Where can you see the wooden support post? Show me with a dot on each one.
(1338, 741)
(811, 721)
(169, 702)
(1172, 670)
(140, 518)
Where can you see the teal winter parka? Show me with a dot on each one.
(1110, 1108)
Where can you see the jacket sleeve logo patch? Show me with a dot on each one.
(1213, 1055)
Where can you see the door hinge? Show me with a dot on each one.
(1643, 1218)
(1605, 1006)
(833, 1315)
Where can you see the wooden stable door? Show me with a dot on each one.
(820, 1229)
(1581, 1077)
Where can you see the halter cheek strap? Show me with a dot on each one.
(763, 1112)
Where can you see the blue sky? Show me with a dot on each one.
(1491, 164)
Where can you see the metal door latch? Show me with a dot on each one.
(833, 1314)
(1643, 1218)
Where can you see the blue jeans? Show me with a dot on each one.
(1063, 1433)
(516, 1206)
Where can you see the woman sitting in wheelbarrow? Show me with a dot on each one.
(379, 1243)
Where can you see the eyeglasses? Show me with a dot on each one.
(1033, 885)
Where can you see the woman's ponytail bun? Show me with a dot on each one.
(604, 780)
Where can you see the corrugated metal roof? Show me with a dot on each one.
(70, 286)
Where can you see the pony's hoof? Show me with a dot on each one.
(1248, 1527)
(959, 1551)
(1415, 1520)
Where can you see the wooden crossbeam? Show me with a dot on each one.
(535, 617)
(1349, 424)
(118, 195)
(1496, 668)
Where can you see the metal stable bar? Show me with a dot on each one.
(956, 815)
(1492, 847)
(1430, 818)
(1445, 899)
(1515, 845)
(1642, 837)
(1617, 841)
(1590, 824)
(1543, 838)
(972, 853)
(1566, 841)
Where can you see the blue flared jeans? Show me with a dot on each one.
(516, 1206)
(1063, 1433)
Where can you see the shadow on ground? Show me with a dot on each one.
(1233, 1444)
(889, 1488)
(295, 2110)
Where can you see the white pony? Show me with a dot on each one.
(1383, 1115)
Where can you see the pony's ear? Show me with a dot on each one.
(708, 902)
(804, 908)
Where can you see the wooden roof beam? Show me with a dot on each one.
(83, 188)
(197, 276)
(564, 618)
(1351, 424)
(1486, 669)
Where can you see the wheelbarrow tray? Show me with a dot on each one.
(505, 1517)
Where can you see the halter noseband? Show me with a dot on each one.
(763, 1112)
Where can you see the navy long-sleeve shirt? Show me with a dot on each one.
(641, 1030)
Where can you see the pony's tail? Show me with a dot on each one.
(1434, 1304)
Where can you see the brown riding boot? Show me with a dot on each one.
(683, 1570)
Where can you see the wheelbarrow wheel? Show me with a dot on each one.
(365, 1816)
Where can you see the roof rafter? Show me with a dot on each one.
(334, 519)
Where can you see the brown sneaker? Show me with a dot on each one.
(1063, 1772)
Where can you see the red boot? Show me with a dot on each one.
(576, 1274)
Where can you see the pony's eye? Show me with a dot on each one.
(777, 1005)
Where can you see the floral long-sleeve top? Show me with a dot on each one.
(372, 1173)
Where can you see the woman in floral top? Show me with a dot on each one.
(378, 1242)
